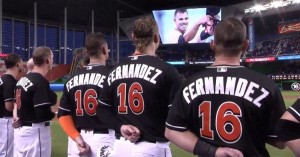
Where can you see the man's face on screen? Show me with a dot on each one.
(181, 21)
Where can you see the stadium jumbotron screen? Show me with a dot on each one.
(194, 25)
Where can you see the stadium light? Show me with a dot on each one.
(271, 5)
(296, 1)
(277, 4)
(259, 8)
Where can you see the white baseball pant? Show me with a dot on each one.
(6, 136)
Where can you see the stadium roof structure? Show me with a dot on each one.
(105, 11)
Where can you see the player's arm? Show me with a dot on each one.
(276, 111)
(190, 34)
(288, 128)
(107, 116)
(9, 105)
(173, 83)
(9, 94)
(189, 142)
(15, 114)
(64, 115)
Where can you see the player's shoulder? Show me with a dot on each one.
(7, 77)
(34, 76)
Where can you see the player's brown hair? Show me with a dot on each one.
(230, 35)
(11, 60)
(94, 42)
(144, 30)
(40, 55)
(180, 10)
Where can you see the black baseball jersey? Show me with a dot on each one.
(295, 109)
(7, 86)
(229, 106)
(80, 96)
(34, 98)
(139, 90)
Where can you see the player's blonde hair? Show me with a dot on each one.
(40, 54)
(144, 30)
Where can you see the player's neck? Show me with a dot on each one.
(43, 70)
(222, 60)
(13, 71)
(96, 61)
(148, 50)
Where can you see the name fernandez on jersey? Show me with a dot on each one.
(142, 71)
(234, 86)
(86, 79)
(25, 83)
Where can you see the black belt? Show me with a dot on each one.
(30, 124)
(96, 131)
(140, 140)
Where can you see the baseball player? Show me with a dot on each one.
(34, 99)
(139, 91)
(77, 109)
(288, 127)
(14, 65)
(16, 121)
(226, 106)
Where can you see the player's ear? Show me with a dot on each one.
(245, 45)
(212, 45)
(103, 50)
(156, 38)
(47, 61)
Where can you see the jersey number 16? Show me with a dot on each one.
(135, 98)
(89, 102)
(227, 123)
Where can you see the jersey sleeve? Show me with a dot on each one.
(295, 109)
(65, 107)
(178, 114)
(42, 95)
(173, 81)
(105, 109)
(8, 88)
(276, 111)
(105, 98)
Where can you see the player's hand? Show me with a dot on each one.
(204, 20)
(83, 147)
(16, 123)
(228, 152)
(130, 132)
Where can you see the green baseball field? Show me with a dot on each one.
(59, 138)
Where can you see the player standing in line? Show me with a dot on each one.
(16, 121)
(14, 65)
(34, 99)
(77, 109)
(288, 128)
(139, 93)
(226, 105)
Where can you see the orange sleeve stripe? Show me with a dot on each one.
(67, 123)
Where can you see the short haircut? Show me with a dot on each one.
(230, 35)
(181, 10)
(94, 42)
(11, 60)
(144, 30)
(40, 54)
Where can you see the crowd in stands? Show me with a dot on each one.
(290, 45)
(187, 56)
(283, 46)
(267, 48)
(289, 68)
